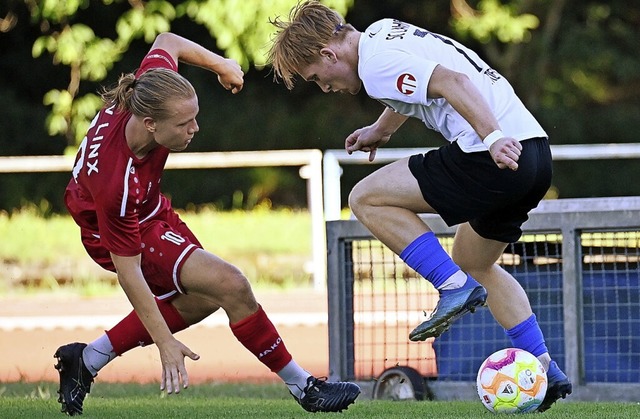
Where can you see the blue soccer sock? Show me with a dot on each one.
(426, 256)
(528, 336)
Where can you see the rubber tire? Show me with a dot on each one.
(400, 383)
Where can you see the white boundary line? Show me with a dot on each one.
(30, 323)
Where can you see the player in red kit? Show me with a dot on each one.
(128, 226)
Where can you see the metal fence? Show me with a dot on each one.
(578, 262)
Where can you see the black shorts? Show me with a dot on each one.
(469, 187)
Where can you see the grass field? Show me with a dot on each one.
(22, 400)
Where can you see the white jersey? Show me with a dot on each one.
(396, 60)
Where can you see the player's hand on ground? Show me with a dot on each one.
(174, 372)
(506, 153)
(230, 75)
(366, 139)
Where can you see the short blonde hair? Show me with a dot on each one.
(297, 42)
(149, 94)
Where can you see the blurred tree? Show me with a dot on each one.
(240, 28)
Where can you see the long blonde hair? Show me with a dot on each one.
(149, 94)
(297, 42)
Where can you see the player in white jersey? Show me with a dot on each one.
(495, 168)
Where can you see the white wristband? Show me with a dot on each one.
(492, 138)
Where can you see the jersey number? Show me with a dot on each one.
(173, 238)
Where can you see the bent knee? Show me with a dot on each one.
(235, 281)
(237, 297)
(360, 197)
(479, 272)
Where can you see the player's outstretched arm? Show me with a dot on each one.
(465, 98)
(230, 75)
(172, 351)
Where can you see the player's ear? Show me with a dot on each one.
(328, 54)
(149, 124)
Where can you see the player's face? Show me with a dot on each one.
(176, 131)
(332, 75)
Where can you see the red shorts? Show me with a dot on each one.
(167, 242)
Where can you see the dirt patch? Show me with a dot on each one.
(223, 358)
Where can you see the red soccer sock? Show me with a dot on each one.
(261, 338)
(130, 332)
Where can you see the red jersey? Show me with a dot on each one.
(112, 191)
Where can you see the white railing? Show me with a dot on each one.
(333, 158)
(310, 162)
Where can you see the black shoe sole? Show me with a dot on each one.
(559, 391)
(348, 400)
(64, 406)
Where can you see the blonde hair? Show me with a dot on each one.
(149, 94)
(297, 42)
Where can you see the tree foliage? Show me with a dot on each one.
(240, 28)
(493, 20)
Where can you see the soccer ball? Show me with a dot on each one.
(511, 381)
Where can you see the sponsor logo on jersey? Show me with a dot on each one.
(407, 84)
(420, 33)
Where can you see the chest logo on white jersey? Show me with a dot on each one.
(407, 84)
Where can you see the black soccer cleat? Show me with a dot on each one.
(558, 387)
(321, 396)
(451, 306)
(75, 378)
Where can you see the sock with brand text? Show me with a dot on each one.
(260, 337)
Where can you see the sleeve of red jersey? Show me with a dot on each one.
(157, 58)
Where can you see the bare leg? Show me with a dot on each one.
(217, 284)
(477, 256)
(213, 283)
(193, 308)
(506, 298)
(387, 203)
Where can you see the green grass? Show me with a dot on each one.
(270, 246)
(22, 400)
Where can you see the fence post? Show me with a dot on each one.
(313, 173)
(331, 177)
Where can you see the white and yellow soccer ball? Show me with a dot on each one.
(511, 381)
